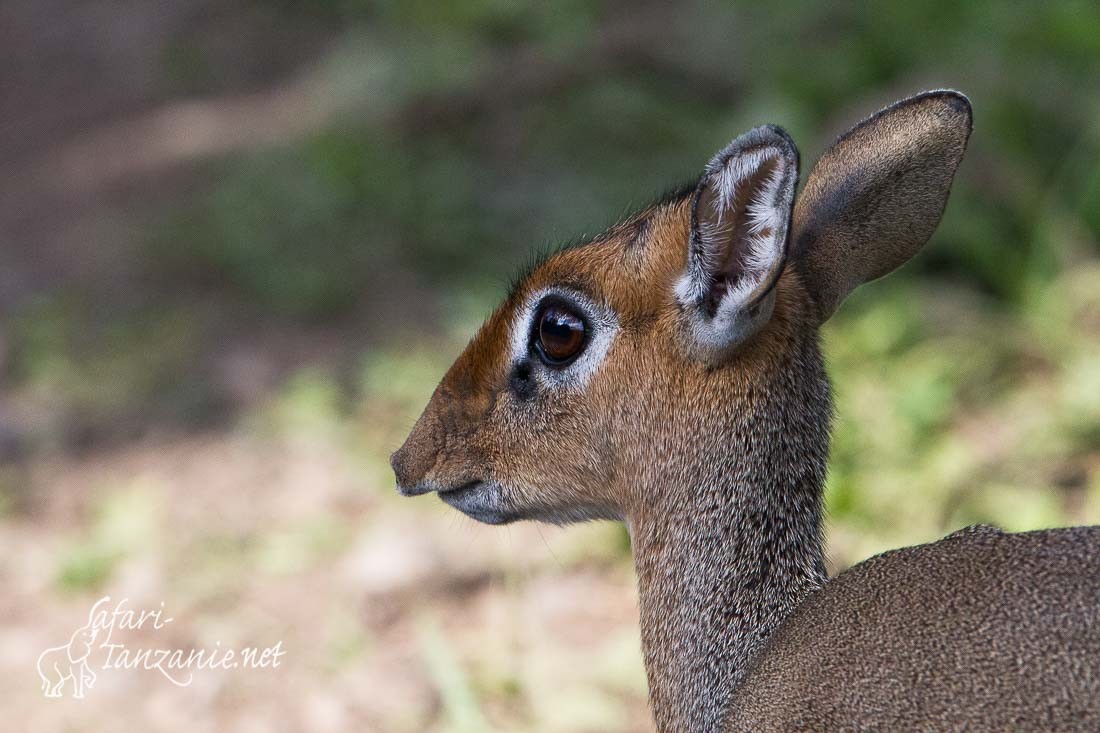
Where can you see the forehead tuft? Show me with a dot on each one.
(631, 267)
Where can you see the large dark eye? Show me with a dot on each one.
(560, 336)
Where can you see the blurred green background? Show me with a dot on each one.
(242, 241)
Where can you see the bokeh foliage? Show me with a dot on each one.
(474, 133)
(470, 135)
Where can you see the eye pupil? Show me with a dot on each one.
(560, 335)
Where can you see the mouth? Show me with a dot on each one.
(480, 500)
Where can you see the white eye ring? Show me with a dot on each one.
(600, 326)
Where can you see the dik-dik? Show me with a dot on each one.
(669, 374)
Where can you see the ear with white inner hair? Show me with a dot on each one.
(741, 213)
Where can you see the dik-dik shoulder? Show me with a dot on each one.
(869, 652)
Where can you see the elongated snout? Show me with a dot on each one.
(439, 454)
(413, 461)
(422, 466)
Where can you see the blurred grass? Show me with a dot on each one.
(123, 523)
(298, 301)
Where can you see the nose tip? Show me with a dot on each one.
(398, 466)
(415, 460)
(407, 485)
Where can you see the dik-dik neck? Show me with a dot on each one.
(723, 559)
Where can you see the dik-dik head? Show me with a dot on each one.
(680, 342)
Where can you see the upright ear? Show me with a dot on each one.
(740, 218)
(876, 196)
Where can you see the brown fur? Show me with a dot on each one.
(1022, 652)
(569, 449)
(715, 457)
